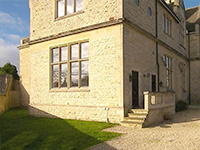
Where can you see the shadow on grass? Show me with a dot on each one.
(19, 131)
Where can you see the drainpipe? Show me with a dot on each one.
(189, 69)
(157, 63)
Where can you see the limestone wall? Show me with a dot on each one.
(139, 14)
(105, 81)
(177, 78)
(195, 82)
(140, 56)
(25, 73)
(43, 23)
(140, 17)
(194, 45)
(10, 98)
(173, 40)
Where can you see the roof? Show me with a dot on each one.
(193, 17)
(169, 8)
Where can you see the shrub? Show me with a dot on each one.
(181, 105)
(9, 69)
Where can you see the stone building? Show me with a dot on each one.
(93, 60)
(193, 22)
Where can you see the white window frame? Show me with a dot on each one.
(65, 8)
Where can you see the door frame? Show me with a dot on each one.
(135, 104)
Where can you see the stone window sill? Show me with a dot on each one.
(70, 15)
(83, 89)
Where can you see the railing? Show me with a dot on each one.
(158, 100)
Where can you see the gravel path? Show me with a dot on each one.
(181, 133)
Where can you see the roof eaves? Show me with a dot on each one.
(170, 11)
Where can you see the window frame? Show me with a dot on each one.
(137, 2)
(149, 11)
(181, 33)
(65, 9)
(167, 25)
(68, 62)
(183, 74)
(169, 71)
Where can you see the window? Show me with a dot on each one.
(137, 2)
(182, 68)
(70, 65)
(66, 7)
(168, 64)
(167, 25)
(182, 32)
(164, 23)
(149, 11)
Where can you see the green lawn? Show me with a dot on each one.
(19, 131)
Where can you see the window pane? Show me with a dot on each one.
(170, 63)
(167, 62)
(70, 7)
(63, 77)
(61, 8)
(163, 22)
(74, 52)
(169, 27)
(55, 57)
(79, 5)
(85, 50)
(55, 76)
(85, 73)
(64, 53)
(166, 27)
(74, 74)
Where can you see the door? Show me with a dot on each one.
(135, 89)
(153, 84)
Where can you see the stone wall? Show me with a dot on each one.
(182, 91)
(9, 98)
(43, 23)
(194, 45)
(194, 66)
(173, 40)
(140, 17)
(195, 81)
(139, 14)
(139, 56)
(105, 81)
(4, 82)
(25, 73)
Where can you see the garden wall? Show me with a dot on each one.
(9, 93)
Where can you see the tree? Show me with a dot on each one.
(9, 69)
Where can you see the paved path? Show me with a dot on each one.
(181, 133)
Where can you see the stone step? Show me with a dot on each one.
(131, 124)
(134, 120)
(141, 113)
(137, 115)
(138, 111)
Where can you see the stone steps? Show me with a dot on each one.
(136, 118)
(131, 124)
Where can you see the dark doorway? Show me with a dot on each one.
(135, 89)
(153, 84)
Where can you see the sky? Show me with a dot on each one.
(14, 25)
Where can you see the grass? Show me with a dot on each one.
(19, 131)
